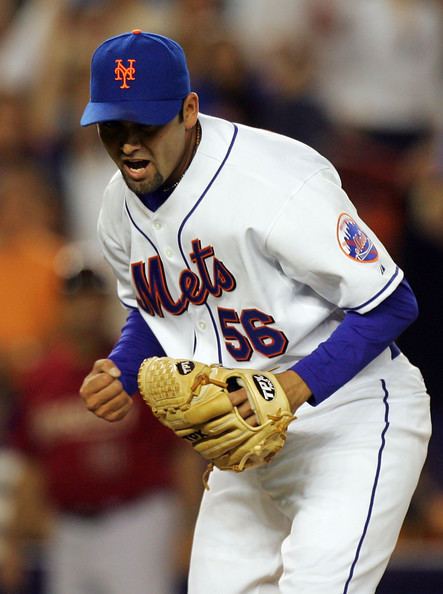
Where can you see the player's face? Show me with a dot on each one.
(151, 156)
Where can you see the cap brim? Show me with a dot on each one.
(140, 112)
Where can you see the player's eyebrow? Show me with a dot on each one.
(150, 127)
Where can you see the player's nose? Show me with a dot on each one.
(130, 145)
(130, 140)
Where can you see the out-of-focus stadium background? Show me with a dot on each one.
(359, 80)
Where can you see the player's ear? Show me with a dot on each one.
(190, 110)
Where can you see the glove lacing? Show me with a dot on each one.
(281, 418)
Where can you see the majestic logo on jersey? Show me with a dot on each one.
(124, 73)
(153, 293)
(353, 241)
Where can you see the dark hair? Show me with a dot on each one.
(181, 113)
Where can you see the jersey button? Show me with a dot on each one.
(157, 225)
(169, 253)
(202, 325)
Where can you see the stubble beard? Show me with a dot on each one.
(145, 186)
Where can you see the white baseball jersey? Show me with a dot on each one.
(252, 258)
(251, 262)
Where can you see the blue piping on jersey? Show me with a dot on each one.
(185, 220)
(377, 294)
(374, 487)
(126, 305)
(138, 228)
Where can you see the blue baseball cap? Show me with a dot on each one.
(138, 77)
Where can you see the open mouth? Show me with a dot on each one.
(136, 168)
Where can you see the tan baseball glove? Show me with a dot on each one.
(191, 398)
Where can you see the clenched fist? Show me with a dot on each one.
(103, 393)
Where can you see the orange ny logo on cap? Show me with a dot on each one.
(123, 73)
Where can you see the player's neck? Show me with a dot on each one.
(189, 154)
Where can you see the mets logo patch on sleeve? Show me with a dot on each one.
(353, 240)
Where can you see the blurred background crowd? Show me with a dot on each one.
(359, 80)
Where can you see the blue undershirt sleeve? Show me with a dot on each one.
(356, 342)
(136, 342)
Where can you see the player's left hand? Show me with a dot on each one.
(296, 390)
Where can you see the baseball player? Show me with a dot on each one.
(238, 246)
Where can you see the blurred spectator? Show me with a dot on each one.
(21, 56)
(275, 42)
(28, 246)
(14, 138)
(20, 570)
(19, 142)
(227, 86)
(10, 470)
(289, 105)
(379, 67)
(114, 502)
(423, 264)
(379, 79)
(260, 26)
(29, 297)
(7, 12)
(190, 21)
